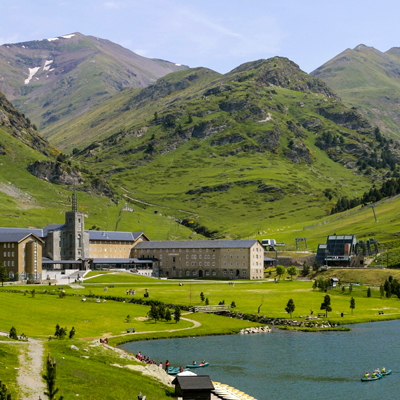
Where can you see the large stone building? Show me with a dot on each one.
(68, 245)
(223, 259)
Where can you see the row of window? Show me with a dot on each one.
(109, 242)
(8, 245)
(173, 250)
(8, 263)
(236, 256)
(206, 264)
(213, 273)
(110, 249)
(8, 254)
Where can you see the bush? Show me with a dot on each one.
(13, 334)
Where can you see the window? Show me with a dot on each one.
(194, 273)
(207, 273)
(79, 240)
(187, 272)
(8, 245)
(5, 245)
(200, 264)
(12, 254)
(213, 264)
(214, 273)
(12, 245)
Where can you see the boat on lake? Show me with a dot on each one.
(197, 365)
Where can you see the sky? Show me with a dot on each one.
(217, 34)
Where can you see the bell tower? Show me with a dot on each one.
(74, 239)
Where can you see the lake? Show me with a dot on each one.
(292, 365)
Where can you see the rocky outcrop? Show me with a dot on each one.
(55, 172)
(227, 139)
(299, 153)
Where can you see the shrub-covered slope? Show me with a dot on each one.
(264, 145)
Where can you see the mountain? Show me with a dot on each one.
(368, 80)
(261, 147)
(53, 80)
(36, 185)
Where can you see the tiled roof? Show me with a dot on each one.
(196, 244)
(199, 382)
(110, 235)
(13, 237)
(26, 231)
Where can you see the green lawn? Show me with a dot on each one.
(249, 295)
(8, 364)
(95, 378)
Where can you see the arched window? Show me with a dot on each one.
(79, 240)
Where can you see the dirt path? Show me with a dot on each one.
(30, 370)
(196, 324)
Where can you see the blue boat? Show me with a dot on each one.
(197, 365)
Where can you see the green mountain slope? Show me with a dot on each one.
(56, 79)
(28, 201)
(368, 80)
(265, 145)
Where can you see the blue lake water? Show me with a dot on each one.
(292, 365)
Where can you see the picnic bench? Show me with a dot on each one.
(321, 315)
(130, 330)
(381, 312)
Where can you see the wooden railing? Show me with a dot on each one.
(214, 308)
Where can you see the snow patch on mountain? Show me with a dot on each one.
(32, 72)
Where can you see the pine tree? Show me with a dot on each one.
(168, 315)
(207, 301)
(177, 314)
(369, 292)
(50, 379)
(72, 333)
(13, 334)
(326, 305)
(290, 307)
(352, 305)
(202, 296)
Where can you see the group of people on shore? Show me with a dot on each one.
(375, 373)
(130, 292)
(104, 341)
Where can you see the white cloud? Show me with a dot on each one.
(114, 5)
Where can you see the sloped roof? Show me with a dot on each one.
(110, 235)
(196, 244)
(16, 237)
(26, 231)
(194, 383)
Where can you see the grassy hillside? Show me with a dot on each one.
(367, 79)
(263, 146)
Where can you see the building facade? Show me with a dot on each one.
(21, 254)
(219, 259)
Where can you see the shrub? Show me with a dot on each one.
(13, 334)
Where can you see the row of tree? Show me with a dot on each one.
(160, 312)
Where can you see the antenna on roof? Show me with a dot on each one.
(74, 201)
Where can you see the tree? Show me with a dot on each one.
(202, 296)
(72, 333)
(13, 334)
(280, 271)
(290, 307)
(154, 313)
(177, 314)
(207, 301)
(382, 291)
(316, 266)
(161, 311)
(168, 315)
(3, 274)
(343, 289)
(292, 271)
(352, 305)
(50, 379)
(326, 305)
(350, 288)
(306, 269)
(369, 292)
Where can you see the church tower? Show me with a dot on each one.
(74, 239)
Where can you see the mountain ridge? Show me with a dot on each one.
(55, 79)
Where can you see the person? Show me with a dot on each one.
(383, 370)
(366, 375)
(378, 371)
(374, 374)
(194, 362)
(311, 312)
(181, 369)
(161, 365)
(203, 362)
(166, 366)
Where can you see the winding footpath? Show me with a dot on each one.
(29, 377)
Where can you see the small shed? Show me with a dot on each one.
(197, 387)
(334, 281)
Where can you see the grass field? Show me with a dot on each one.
(249, 295)
(8, 366)
(95, 378)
